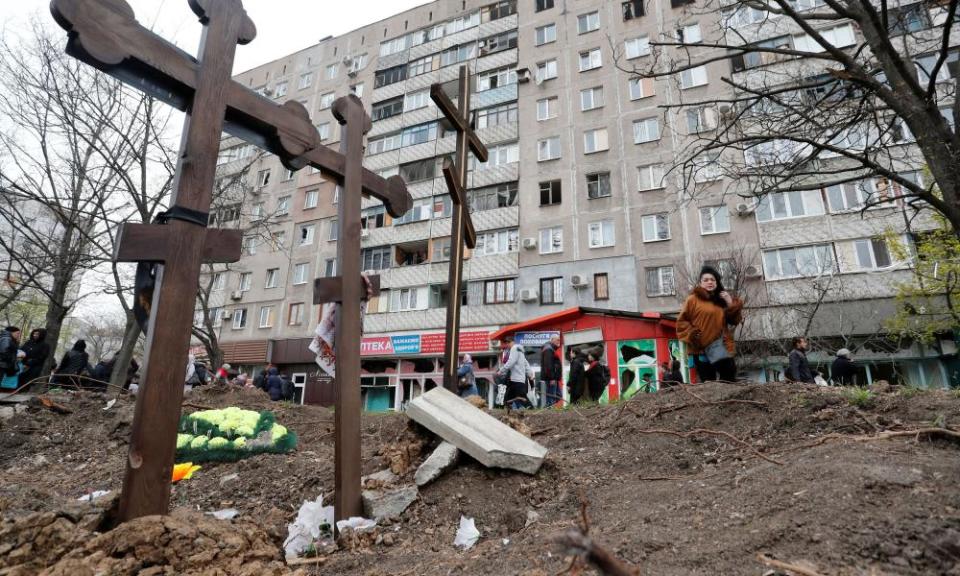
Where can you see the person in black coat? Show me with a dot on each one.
(578, 375)
(9, 345)
(75, 362)
(799, 369)
(37, 350)
(274, 384)
(598, 375)
(551, 371)
(843, 369)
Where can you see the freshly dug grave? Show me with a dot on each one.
(700, 480)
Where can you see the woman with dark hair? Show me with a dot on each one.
(36, 350)
(706, 324)
(75, 362)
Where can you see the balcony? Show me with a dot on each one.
(499, 25)
(494, 96)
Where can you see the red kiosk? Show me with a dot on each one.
(634, 344)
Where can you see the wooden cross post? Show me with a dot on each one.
(461, 228)
(106, 35)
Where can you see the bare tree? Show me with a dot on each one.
(103, 333)
(816, 93)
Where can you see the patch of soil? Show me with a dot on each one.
(696, 480)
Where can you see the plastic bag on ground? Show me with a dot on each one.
(356, 523)
(313, 521)
(467, 534)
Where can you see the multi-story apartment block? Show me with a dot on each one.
(576, 205)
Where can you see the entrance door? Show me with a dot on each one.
(299, 387)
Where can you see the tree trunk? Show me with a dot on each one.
(130, 337)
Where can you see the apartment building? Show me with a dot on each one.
(575, 206)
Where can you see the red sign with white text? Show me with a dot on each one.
(431, 343)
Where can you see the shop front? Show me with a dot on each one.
(631, 344)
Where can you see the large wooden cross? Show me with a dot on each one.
(461, 228)
(106, 35)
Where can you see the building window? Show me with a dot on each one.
(548, 149)
(246, 281)
(714, 219)
(406, 299)
(693, 77)
(591, 98)
(442, 206)
(498, 10)
(547, 108)
(689, 34)
(598, 185)
(797, 262)
(600, 234)
(588, 22)
(498, 291)
(497, 242)
(546, 34)
(273, 278)
(305, 80)
(542, 5)
(503, 114)
(331, 71)
(334, 230)
(547, 70)
(330, 267)
(295, 314)
(551, 240)
(419, 171)
(601, 286)
(441, 249)
(387, 108)
(656, 227)
(301, 272)
(701, 119)
(420, 66)
(266, 316)
(250, 245)
(496, 78)
(258, 211)
(263, 178)
(595, 141)
(420, 134)
(727, 269)
(421, 210)
(646, 130)
(280, 90)
(637, 47)
(375, 258)
(458, 54)
(373, 218)
(590, 59)
(305, 236)
(493, 197)
(550, 193)
(310, 199)
(383, 144)
(794, 204)
(324, 131)
(707, 167)
(219, 281)
(416, 100)
(551, 290)
(326, 100)
(632, 9)
(283, 206)
(279, 240)
(660, 281)
(336, 194)
(498, 43)
(640, 88)
(239, 318)
(357, 90)
(872, 253)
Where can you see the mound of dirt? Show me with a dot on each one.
(697, 480)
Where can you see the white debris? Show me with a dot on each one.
(93, 495)
(225, 514)
(467, 534)
(110, 404)
(357, 524)
(314, 520)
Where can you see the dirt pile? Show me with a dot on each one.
(700, 480)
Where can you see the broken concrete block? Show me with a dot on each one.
(385, 476)
(442, 459)
(486, 439)
(389, 504)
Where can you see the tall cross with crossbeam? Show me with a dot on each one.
(462, 231)
(106, 35)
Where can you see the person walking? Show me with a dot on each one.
(9, 345)
(706, 324)
(37, 351)
(274, 384)
(74, 363)
(466, 379)
(578, 375)
(799, 369)
(843, 370)
(517, 372)
(190, 379)
(550, 372)
(598, 375)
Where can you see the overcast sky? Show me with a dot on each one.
(283, 26)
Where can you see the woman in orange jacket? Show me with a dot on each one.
(706, 324)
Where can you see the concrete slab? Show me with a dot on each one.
(388, 504)
(441, 460)
(486, 439)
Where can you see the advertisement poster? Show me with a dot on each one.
(535, 339)
(432, 343)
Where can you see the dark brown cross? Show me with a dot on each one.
(461, 228)
(106, 35)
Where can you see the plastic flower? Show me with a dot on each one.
(184, 471)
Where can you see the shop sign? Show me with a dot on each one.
(534, 338)
(431, 343)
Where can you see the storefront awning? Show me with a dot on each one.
(570, 313)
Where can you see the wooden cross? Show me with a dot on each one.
(461, 228)
(106, 35)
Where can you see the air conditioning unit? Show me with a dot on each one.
(578, 281)
(227, 314)
(724, 108)
(236, 295)
(348, 61)
(744, 209)
(523, 75)
(528, 295)
(352, 73)
(529, 243)
(752, 272)
(364, 233)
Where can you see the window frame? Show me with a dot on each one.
(556, 285)
(551, 244)
(657, 219)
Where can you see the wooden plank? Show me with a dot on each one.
(149, 243)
